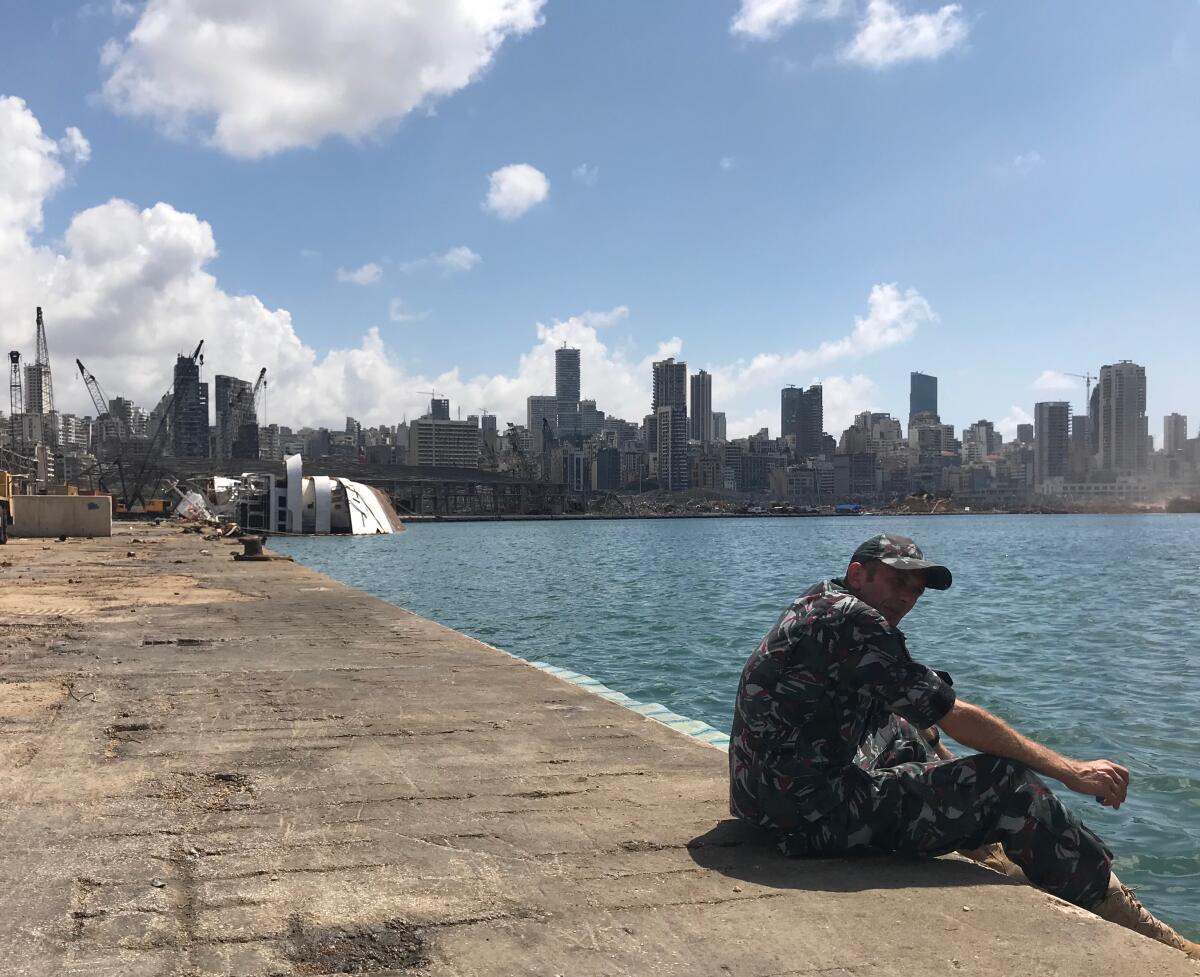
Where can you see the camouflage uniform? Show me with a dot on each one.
(825, 753)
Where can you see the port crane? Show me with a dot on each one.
(260, 387)
(153, 449)
(100, 401)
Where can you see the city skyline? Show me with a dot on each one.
(754, 192)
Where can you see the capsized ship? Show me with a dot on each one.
(302, 504)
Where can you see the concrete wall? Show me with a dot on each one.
(61, 515)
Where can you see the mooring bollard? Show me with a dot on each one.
(252, 549)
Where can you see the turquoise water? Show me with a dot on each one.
(1078, 630)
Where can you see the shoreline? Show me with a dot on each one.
(410, 519)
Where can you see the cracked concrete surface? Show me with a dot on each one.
(220, 768)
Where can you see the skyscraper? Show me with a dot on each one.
(1174, 433)
(718, 423)
(1051, 440)
(1123, 423)
(566, 392)
(539, 409)
(189, 411)
(670, 390)
(922, 394)
(673, 475)
(566, 375)
(802, 414)
(237, 419)
(670, 385)
(700, 422)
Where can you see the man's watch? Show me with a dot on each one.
(936, 738)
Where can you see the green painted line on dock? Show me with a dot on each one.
(695, 728)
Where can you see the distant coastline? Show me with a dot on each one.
(411, 520)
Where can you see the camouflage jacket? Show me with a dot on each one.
(826, 679)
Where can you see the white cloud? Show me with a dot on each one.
(513, 189)
(368, 274)
(1022, 164)
(766, 19)
(460, 258)
(1054, 380)
(75, 146)
(886, 36)
(587, 175)
(1007, 425)
(398, 312)
(603, 320)
(259, 78)
(29, 162)
(727, 162)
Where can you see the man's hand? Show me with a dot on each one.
(1108, 782)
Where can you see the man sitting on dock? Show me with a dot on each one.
(835, 748)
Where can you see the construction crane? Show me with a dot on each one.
(101, 404)
(1087, 378)
(260, 386)
(152, 448)
(93, 389)
(16, 401)
(43, 363)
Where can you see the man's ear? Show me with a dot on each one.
(854, 574)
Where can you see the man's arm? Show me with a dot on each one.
(977, 728)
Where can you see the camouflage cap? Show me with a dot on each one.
(903, 554)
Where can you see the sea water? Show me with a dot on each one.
(1078, 630)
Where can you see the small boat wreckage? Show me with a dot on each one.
(297, 504)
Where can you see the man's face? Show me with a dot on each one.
(890, 591)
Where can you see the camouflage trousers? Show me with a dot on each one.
(899, 800)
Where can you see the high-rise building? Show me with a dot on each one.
(568, 423)
(1025, 433)
(978, 441)
(35, 388)
(439, 408)
(673, 473)
(718, 426)
(591, 419)
(922, 394)
(270, 445)
(802, 415)
(1123, 423)
(237, 419)
(700, 421)
(541, 408)
(670, 389)
(1051, 440)
(1081, 447)
(441, 441)
(670, 385)
(1174, 433)
(566, 375)
(1093, 429)
(189, 411)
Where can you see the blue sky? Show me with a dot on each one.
(775, 190)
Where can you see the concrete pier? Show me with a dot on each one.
(235, 768)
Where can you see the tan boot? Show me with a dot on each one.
(993, 857)
(1122, 907)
